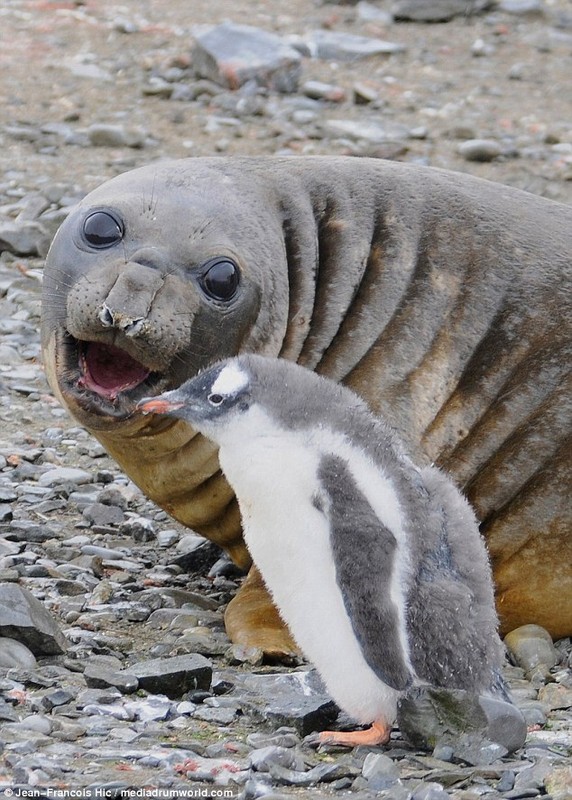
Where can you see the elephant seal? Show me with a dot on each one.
(442, 299)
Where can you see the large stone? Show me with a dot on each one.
(59, 475)
(173, 676)
(25, 238)
(297, 700)
(437, 10)
(101, 677)
(24, 618)
(15, 654)
(531, 648)
(231, 55)
(430, 717)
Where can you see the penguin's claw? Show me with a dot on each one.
(378, 733)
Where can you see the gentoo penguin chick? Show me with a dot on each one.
(377, 566)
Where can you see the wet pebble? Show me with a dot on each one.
(479, 149)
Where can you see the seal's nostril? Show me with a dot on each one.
(131, 326)
(106, 316)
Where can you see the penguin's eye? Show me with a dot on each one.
(215, 399)
(220, 281)
(102, 229)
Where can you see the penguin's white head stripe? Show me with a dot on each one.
(231, 379)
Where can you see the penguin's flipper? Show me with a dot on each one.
(363, 546)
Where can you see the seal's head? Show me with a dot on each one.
(146, 283)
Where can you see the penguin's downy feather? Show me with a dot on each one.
(364, 547)
(451, 603)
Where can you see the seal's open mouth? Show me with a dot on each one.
(104, 379)
(108, 370)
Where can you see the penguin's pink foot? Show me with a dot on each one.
(378, 733)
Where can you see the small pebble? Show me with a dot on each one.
(479, 150)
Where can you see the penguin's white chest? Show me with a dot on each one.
(276, 483)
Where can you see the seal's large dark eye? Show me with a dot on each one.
(220, 281)
(102, 229)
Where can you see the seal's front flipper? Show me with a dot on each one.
(252, 620)
(378, 733)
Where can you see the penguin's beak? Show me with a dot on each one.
(155, 405)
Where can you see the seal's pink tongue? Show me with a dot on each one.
(107, 370)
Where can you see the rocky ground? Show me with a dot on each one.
(90, 89)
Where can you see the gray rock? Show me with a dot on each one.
(339, 46)
(505, 723)
(151, 708)
(430, 791)
(282, 737)
(529, 8)
(167, 538)
(428, 717)
(379, 771)
(8, 548)
(39, 723)
(296, 700)
(558, 781)
(173, 676)
(437, 10)
(198, 558)
(368, 12)
(56, 698)
(59, 475)
(102, 515)
(533, 712)
(317, 90)
(531, 648)
(231, 55)
(242, 654)
(103, 135)
(479, 150)
(216, 716)
(139, 528)
(368, 130)
(288, 757)
(23, 238)
(555, 695)
(318, 774)
(533, 777)
(363, 94)
(15, 654)
(100, 677)
(478, 750)
(105, 553)
(24, 618)
(90, 697)
(7, 714)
